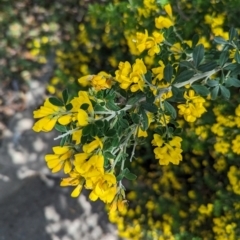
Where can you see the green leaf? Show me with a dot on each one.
(184, 76)
(69, 107)
(177, 94)
(144, 122)
(231, 67)
(201, 90)
(111, 133)
(148, 76)
(65, 96)
(109, 155)
(150, 107)
(150, 97)
(212, 83)
(56, 102)
(232, 33)
(99, 108)
(214, 92)
(112, 106)
(87, 130)
(60, 128)
(130, 176)
(84, 139)
(123, 123)
(220, 40)
(195, 40)
(127, 174)
(207, 66)
(135, 118)
(168, 73)
(236, 71)
(84, 106)
(223, 58)
(170, 109)
(198, 54)
(237, 56)
(233, 82)
(94, 130)
(107, 144)
(135, 99)
(99, 123)
(115, 142)
(225, 92)
(217, 208)
(63, 141)
(120, 177)
(186, 64)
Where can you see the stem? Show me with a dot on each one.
(114, 114)
(67, 133)
(164, 119)
(197, 77)
(133, 151)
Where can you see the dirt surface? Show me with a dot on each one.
(32, 205)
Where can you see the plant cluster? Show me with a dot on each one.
(169, 116)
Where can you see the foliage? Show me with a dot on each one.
(174, 97)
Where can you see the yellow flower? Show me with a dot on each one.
(82, 118)
(45, 124)
(163, 22)
(220, 164)
(168, 10)
(92, 168)
(99, 82)
(60, 159)
(79, 159)
(49, 115)
(236, 145)
(193, 108)
(105, 188)
(131, 77)
(237, 111)
(120, 204)
(90, 147)
(141, 133)
(218, 129)
(122, 75)
(167, 151)
(136, 76)
(158, 72)
(221, 146)
(151, 43)
(157, 140)
(83, 98)
(206, 210)
(74, 179)
(141, 40)
(76, 136)
(177, 50)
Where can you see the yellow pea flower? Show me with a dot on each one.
(60, 159)
(82, 117)
(163, 22)
(169, 151)
(90, 147)
(49, 115)
(93, 167)
(105, 188)
(74, 179)
(82, 98)
(100, 81)
(193, 108)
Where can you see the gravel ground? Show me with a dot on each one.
(32, 205)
